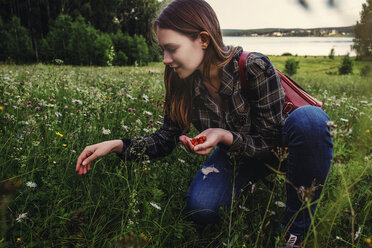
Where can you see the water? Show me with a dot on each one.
(294, 45)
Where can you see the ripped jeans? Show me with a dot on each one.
(310, 148)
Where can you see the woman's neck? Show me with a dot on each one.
(214, 78)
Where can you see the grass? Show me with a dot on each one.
(48, 115)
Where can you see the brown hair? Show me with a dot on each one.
(190, 17)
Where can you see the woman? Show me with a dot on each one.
(203, 88)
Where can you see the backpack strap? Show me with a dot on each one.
(243, 57)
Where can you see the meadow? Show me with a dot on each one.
(49, 113)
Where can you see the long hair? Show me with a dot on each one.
(190, 17)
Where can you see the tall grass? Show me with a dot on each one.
(48, 114)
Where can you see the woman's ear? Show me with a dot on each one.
(205, 39)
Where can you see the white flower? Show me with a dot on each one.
(130, 97)
(21, 217)
(145, 97)
(31, 184)
(363, 101)
(357, 233)
(106, 131)
(58, 114)
(125, 127)
(147, 112)
(337, 237)
(280, 204)
(51, 105)
(272, 213)
(77, 102)
(244, 208)
(343, 119)
(146, 130)
(35, 143)
(155, 205)
(181, 160)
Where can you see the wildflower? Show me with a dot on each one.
(337, 237)
(244, 208)
(64, 145)
(31, 184)
(58, 133)
(147, 112)
(29, 104)
(280, 204)
(18, 239)
(35, 143)
(58, 114)
(130, 97)
(357, 233)
(155, 205)
(272, 213)
(20, 135)
(367, 131)
(37, 107)
(145, 97)
(344, 120)
(363, 101)
(181, 160)
(368, 240)
(77, 102)
(1, 107)
(21, 217)
(51, 105)
(106, 131)
(125, 127)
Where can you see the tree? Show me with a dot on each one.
(363, 33)
(331, 54)
(346, 66)
(291, 66)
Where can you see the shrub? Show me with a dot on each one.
(287, 54)
(331, 54)
(291, 66)
(366, 71)
(141, 50)
(346, 66)
(120, 58)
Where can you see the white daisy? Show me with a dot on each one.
(21, 217)
(106, 131)
(31, 184)
(280, 204)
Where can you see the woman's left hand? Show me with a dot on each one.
(214, 136)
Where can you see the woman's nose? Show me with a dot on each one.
(167, 59)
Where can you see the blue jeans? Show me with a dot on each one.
(306, 134)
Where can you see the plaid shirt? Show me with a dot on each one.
(253, 115)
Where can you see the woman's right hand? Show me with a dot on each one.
(96, 151)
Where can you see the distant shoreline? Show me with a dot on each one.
(292, 32)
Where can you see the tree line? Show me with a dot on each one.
(101, 32)
(78, 32)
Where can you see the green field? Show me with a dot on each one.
(48, 114)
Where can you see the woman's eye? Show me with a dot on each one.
(171, 50)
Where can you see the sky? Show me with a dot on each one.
(251, 14)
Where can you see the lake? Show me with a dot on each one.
(294, 45)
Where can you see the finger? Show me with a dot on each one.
(89, 159)
(82, 156)
(184, 139)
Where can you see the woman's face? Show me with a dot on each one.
(181, 53)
